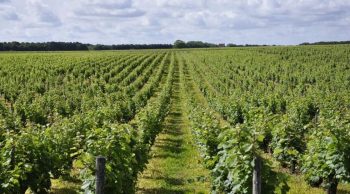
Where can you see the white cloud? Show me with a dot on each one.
(109, 8)
(110, 13)
(38, 14)
(110, 4)
(163, 21)
(8, 13)
(10, 16)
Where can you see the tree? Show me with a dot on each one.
(179, 44)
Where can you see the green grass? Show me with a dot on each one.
(60, 186)
(175, 165)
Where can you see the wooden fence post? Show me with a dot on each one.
(257, 175)
(100, 174)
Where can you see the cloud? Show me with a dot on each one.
(110, 4)
(10, 16)
(97, 12)
(48, 17)
(108, 9)
(163, 21)
(40, 14)
(8, 13)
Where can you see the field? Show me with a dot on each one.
(176, 121)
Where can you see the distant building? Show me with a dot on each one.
(221, 44)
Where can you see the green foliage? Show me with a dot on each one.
(68, 113)
(327, 159)
(275, 95)
(288, 142)
(206, 130)
(58, 111)
(112, 142)
(179, 44)
(233, 171)
(25, 162)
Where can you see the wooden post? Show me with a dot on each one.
(332, 189)
(100, 174)
(257, 175)
(13, 157)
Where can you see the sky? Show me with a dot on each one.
(164, 21)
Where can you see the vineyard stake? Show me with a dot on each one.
(257, 175)
(100, 174)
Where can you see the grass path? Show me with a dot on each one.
(175, 165)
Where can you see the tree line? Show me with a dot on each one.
(74, 46)
(195, 44)
(326, 43)
(44, 46)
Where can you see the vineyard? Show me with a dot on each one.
(284, 108)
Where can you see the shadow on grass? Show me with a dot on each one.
(173, 148)
(170, 141)
(174, 132)
(163, 191)
(341, 191)
(274, 182)
(63, 191)
(168, 180)
(65, 185)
